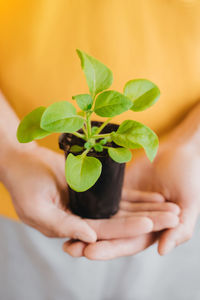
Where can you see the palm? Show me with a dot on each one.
(174, 174)
(36, 182)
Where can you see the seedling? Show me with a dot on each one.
(83, 170)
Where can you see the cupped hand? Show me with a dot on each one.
(175, 174)
(124, 236)
(36, 182)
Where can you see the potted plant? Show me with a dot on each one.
(96, 152)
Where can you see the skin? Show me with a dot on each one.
(161, 213)
(34, 176)
(175, 174)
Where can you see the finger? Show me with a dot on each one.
(116, 228)
(104, 250)
(161, 220)
(59, 223)
(165, 206)
(74, 248)
(141, 196)
(182, 233)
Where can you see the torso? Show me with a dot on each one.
(157, 40)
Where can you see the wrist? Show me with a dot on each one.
(9, 153)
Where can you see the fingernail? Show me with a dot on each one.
(148, 223)
(85, 237)
(171, 245)
(159, 197)
(64, 247)
(79, 236)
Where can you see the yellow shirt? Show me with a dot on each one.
(157, 40)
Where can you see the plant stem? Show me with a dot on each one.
(101, 136)
(103, 125)
(88, 124)
(93, 101)
(85, 152)
(79, 135)
(84, 130)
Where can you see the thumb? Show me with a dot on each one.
(63, 224)
(183, 232)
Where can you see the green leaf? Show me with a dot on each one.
(98, 76)
(76, 148)
(82, 171)
(111, 103)
(120, 155)
(142, 92)
(103, 142)
(88, 145)
(94, 129)
(29, 128)
(132, 134)
(84, 101)
(122, 140)
(81, 113)
(98, 148)
(61, 117)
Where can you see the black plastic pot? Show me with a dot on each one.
(102, 199)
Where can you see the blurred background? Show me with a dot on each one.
(154, 39)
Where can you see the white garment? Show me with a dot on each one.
(33, 267)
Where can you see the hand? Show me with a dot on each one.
(175, 174)
(135, 204)
(36, 181)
